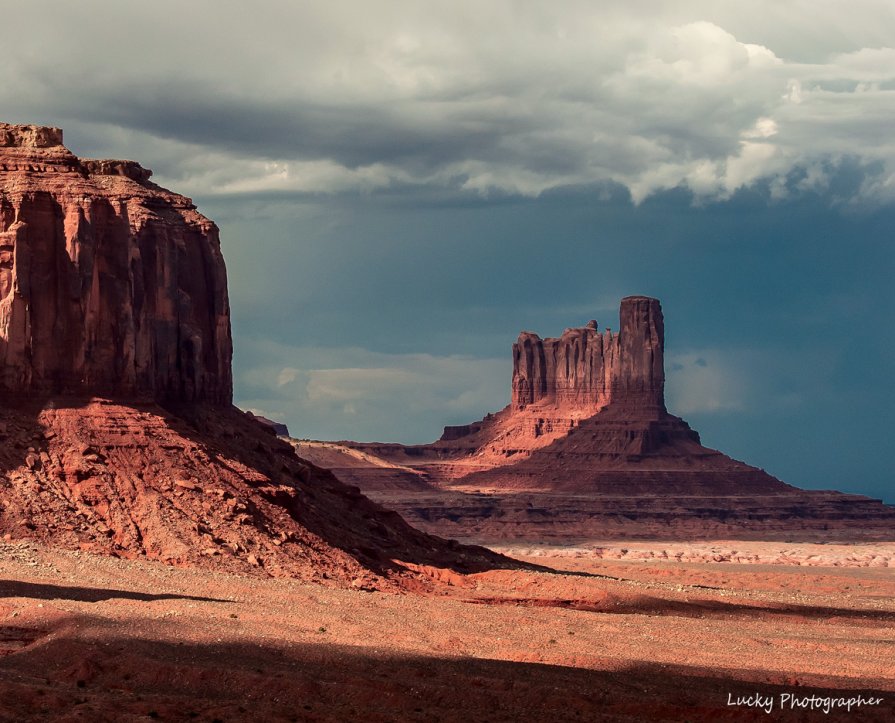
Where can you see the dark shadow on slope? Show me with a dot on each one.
(115, 678)
(22, 445)
(39, 591)
(339, 514)
(713, 609)
(19, 431)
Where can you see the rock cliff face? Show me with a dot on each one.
(117, 432)
(586, 370)
(582, 404)
(587, 450)
(109, 284)
(613, 383)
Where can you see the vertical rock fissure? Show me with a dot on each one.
(585, 371)
(110, 284)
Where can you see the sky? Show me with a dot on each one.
(402, 187)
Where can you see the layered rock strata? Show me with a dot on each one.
(202, 486)
(586, 370)
(109, 284)
(595, 400)
(117, 432)
(587, 450)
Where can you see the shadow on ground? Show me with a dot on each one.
(38, 591)
(111, 679)
(716, 609)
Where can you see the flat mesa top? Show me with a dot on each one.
(29, 136)
(30, 151)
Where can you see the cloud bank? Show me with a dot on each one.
(347, 393)
(505, 97)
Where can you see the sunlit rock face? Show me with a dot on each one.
(117, 432)
(109, 284)
(585, 370)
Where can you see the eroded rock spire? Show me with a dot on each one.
(586, 370)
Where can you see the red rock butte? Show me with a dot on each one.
(587, 414)
(587, 449)
(586, 370)
(109, 284)
(118, 432)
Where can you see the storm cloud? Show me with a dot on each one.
(496, 98)
(403, 186)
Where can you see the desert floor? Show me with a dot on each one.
(642, 634)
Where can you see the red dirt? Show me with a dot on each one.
(201, 486)
(84, 637)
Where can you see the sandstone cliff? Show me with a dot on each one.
(586, 370)
(587, 450)
(117, 433)
(109, 284)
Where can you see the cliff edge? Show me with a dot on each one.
(109, 284)
(117, 432)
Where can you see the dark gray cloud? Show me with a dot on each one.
(515, 98)
(349, 135)
(783, 301)
(403, 186)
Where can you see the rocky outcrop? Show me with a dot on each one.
(206, 486)
(572, 371)
(278, 428)
(639, 381)
(117, 432)
(614, 383)
(587, 450)
(109, 284)
(583, 404)
(586, 370)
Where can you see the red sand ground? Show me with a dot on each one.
(87, 637)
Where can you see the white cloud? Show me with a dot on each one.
(766, 381)
(350, 385)
(704, 381)
(347, 393)
(286, 376)
(508, 97)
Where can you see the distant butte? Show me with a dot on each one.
(117, 430)
(586, 450)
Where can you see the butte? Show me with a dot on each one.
(117, 430)
(586, 450)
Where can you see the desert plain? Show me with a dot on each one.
(600, 635)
